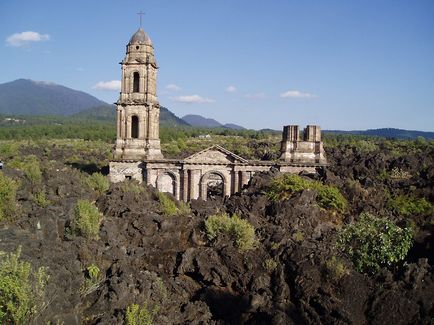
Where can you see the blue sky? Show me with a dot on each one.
(261, 64)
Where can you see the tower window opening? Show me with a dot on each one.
(136, 82)
(137, 47)
(135, 127)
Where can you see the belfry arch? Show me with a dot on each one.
(136, 82)
(134, 126)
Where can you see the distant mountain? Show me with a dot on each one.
(200, 121)
(108, 113)
(203, 122)
(168, 118)
(233, 126)
(102, 113)
(29, 97)
(387, 133)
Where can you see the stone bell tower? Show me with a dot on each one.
(138, 110)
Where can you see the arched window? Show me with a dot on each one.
(136, 82)
(135, 127)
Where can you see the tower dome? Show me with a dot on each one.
(140, 37)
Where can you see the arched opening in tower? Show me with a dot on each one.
(136, 82)
(135, 127)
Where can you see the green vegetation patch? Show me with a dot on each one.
(240, 230)
(93, 280)
(98, 182)
(41, 199)
(8, 192)
(31, 167)
(373, 242)
(22, 289)
(336, 268)
(407, 205)
(169, 207)
(287, 185)
(140, 315)
(87, 219)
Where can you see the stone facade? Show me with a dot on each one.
(138, 154)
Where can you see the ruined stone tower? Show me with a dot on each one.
(138, 110)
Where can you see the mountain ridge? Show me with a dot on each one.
(197, 120)
(29, 97)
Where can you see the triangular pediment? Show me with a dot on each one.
(215, 154)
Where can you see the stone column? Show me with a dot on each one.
(128, 126)
(290, 139)
(244, 178)
(194, 182)
(184, 185)
(312, 133)
(236, 181)
(118, 123)
(227, 186)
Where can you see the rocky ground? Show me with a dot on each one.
(184, 278)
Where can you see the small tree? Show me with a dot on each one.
(87, 219)
(374, 242)
(22, 289)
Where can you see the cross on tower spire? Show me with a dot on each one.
(141, 13)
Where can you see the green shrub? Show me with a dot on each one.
(8, 192)
(242, 232)
(132, 186)
(9, 149)
(31, 167)
(136, 315)
(92, 280)
(374, 242)
(298, 236)
(22, 289)
(87, 219)
(40, 199)
(169, 208)
(270, 264)
(98, 182)
(335, 268)
(287, 185)
(406, 205)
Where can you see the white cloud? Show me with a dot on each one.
(24, 38)
(173, 87)
(296, 94)
(192, 99)
(260, 95)
(231, 89)
(108, 85)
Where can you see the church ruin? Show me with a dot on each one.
(138, 156)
